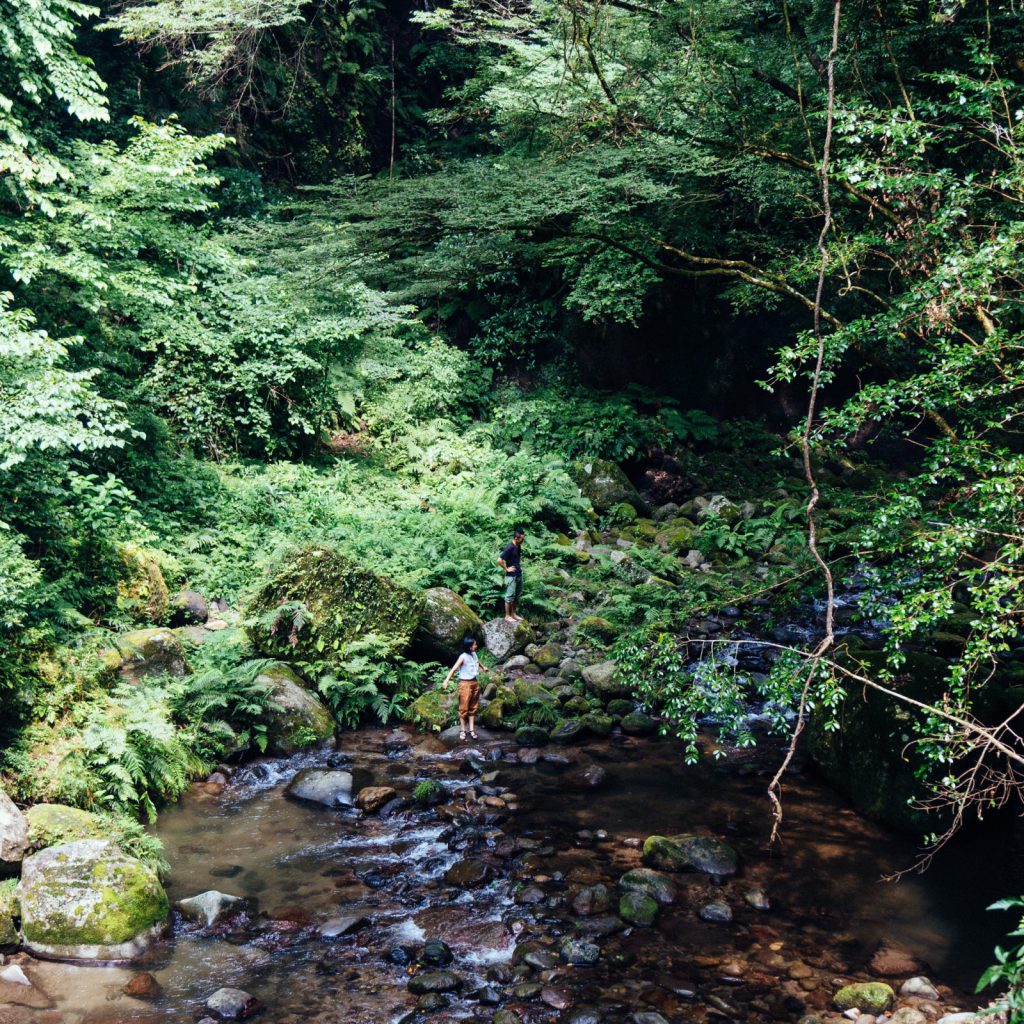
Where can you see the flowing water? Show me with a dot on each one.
(303, 865)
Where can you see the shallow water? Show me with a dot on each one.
(303, 865)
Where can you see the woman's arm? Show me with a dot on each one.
(454, 669)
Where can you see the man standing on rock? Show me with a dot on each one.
(511, 560)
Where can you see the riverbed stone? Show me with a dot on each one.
(638, 723)
(587, 776)
(716, 911)
(232, 1004)
(907, 1015)
(638, 908)
(567, 731)
(373, 798)
(531, 736)
(14, 837)
(342, 924)
(437, 953)
(143, 986)
(53, 824)
(210, 907)
(603, 679)
(445, 623)
(867, 996)
(188, 608)
(9, 912)
(299, 719)
(434, 981)
(597, 724)
(590, 900)
(656, 884)
(324, 786)
(690, 853)
(87, 900)
(503, 638)
(467, 874)
(579, 952)
(919, 987)
(757, 898)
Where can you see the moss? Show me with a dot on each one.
(297, 718)
(141, 591)
(53, 824)
(598, 628)
(9, 913)
(317, 600)
(867, 996)
(433, 710)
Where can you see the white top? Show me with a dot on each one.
(469, 667)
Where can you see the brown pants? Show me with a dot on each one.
(469, 697)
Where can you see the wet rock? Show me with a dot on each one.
(593, 899)
(502, 638)
(467, 874)
(343, 924)
(540, 959)
(758, 899)
(599, 927)
(907, 1015)
(148, 652)
(232, 1004)
(597, 724)
(143, 986)
(636, 723)
(487, 996)
(648, 1017)
(227, 870)
(18, 989)
(298, 718)
(446, 621)
(526, 990)
(429, 1002)
(327, 787)
(582, 1015)
(919, 987)
(717, 911)
(436, 953)
(603, 680)
(529, 896)
(188, 608)
(580, 953)
(531, 736)
(868, 996)
(556, 998)
(690, 853)
(506, 1017)
(210, 907)
(588, 776)
(87, 900)
(567, 731)
(658, 886)
(13, 834)
(434, 981)
(373, 798)
(637, 908)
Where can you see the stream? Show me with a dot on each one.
(484, 877)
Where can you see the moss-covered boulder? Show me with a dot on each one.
(638, 908)
(867, 996)
(597, 628)
(188, 608)
(141, 589)
(597, 724)
(677, 536)
(445, 622)
(603, 679)
(637, 723)
(605, 485)
(87, 900)
(298, 718)
(492, 715)
(434, 710)
(54, 824)
(547, 655)
(9, 914)
(148, 652)
(316, 600)
(504, 639)
(690, 853)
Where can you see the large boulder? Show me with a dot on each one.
(13, 834)
(603, 679)
(53, 824)
(316, 600)
(503, 638)
(433, 710)
(188, 608)
(148, 652)
(9, 914)
(325, 786)
(446, 621)
(604, 485)
(211, 907)
(299, 719)
(141, 590)
(87, 900)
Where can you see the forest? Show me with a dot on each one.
(307, 305)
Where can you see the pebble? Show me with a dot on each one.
(232, 1004)
(920, 987)
(716, 911)
(758, 899)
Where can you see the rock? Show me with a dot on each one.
(9, 913)
(141, 590)
(919, 987)
(588, 776)
(373, 798)
(605, 485)
(547, 656)
(658, 886)
(892, 961)
(467, 874)
(445, 622)
(597, 627)
(907, 1015)
(636, 723)
(531, 736)
(434, 981)
(503, 638)
(592, 899)
(599, 927)
(433, 710)
(567, 731)
(143, 986)
(758, 899)
(636, 907)
(87, 900)
(506, 1017)
(597, 724)
(603, 679)
(300, 719)
(677, 536)
(210, 907)
(960, 1018)
(327, 787)
(431, 1001)
(436, 953)
(868, 996)
(18, 989)
(690, 853)
(343, 924)
(648, 1017)
(540, 959)
(619, 707)
(579, 952)
(232, 1004)
(556, 998)
(148, 652)
(717, 911)
(14, 835)
(188, 608)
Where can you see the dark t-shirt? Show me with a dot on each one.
(512, 557)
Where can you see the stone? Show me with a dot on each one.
(531, 736)
(590, 900)
(658, 886)
(648, 1017)
(232, 1004)
(919, 987)
(567, 731)
(690, 853)
(148, 652)
(907, 1015)
(373, 798)
(636, 907)
(637, 723)
(867, 996)
(548, 655)
(445, 623)
(141, 589)
(597, 724)
(893, 961)
(19, 989)
(324, 786)
(210, 907)
(599, 927)
(540, 959)
(605, 485)
(506, 1017)
(503, 639)
(437, 953)
(716, 911)
(603, 680)
(556, 998)
(143, 986)
(431, 1001)
(467, 874)
(188, 608)
(434, 981)
(86, 900)
(579, 952)
(9, 913)
(343, 924)
(597, 627)
(14, 834)
(959, 1018)
(433, 710)
(588, 776)
(299, 719)
(758, 899)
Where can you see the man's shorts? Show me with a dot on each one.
(469, 697)
(513, 587)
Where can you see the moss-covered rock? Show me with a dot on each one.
(597, 724)
(87, 900)
(597, 628)
(445, 622)
(9, 914)
(298, 719)
(434, 710)
(638, 908)
(316, 600)
(547, 655)
(492, 716)
(690, 853)
(188, 608)
(141, 589)
(567, 731)
(637, 723)
(531, 736)
(677, 536)
(54, 824)
(576, 706)
(619, 707)
(867, 996)
(148, 652)
(604, 485)
(504, 639)
(603, 679)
